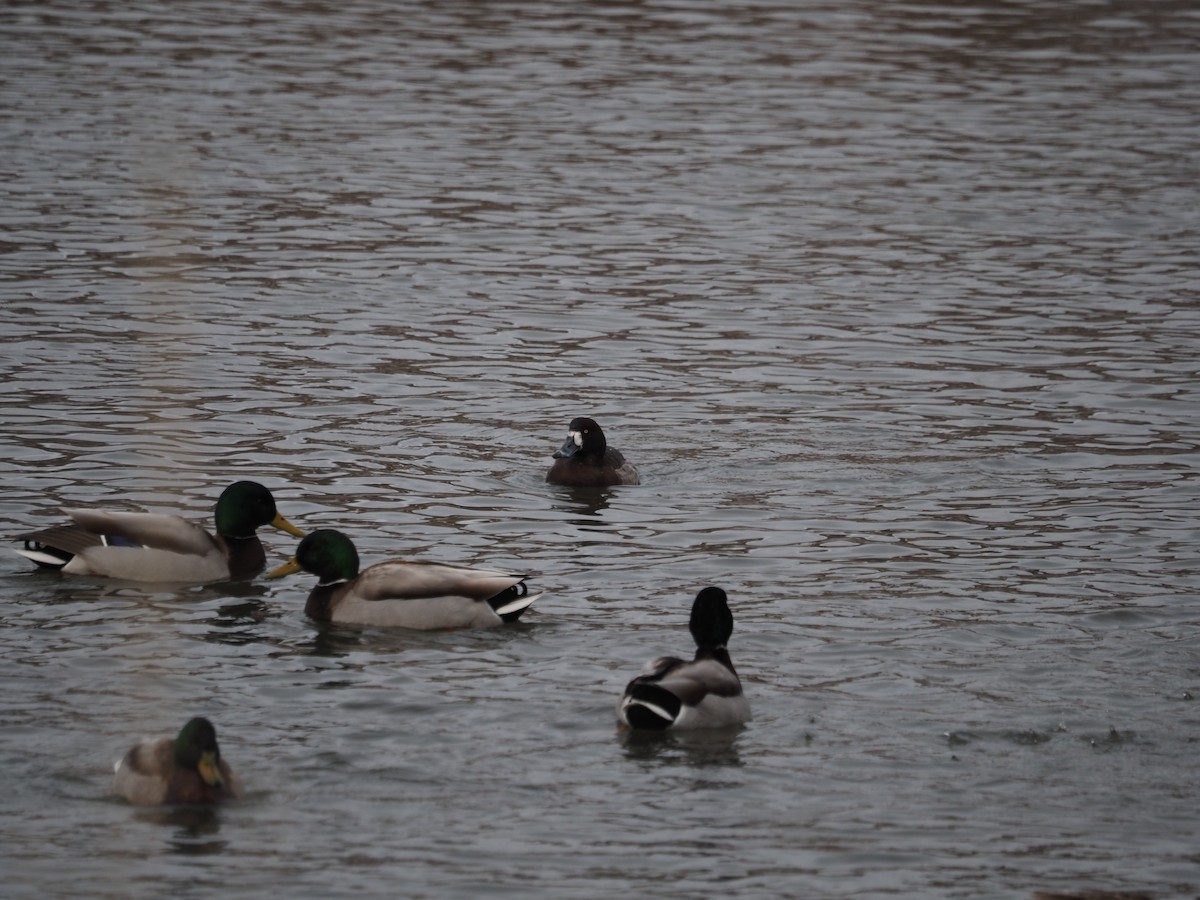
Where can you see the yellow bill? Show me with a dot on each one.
(209, 770)
(291, 567)
(284, 525)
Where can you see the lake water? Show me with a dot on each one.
(894, 305)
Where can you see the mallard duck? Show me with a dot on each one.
(407, 594)
(703, 693)
(184, 769)
(586, 460)
(157, 547)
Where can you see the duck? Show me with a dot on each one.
(187, 768)
(139, 546)
(417, 595)
(672, 693)
(586, 460)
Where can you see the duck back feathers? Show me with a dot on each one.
(406, 594)
(156, 547)
(704, 692)
(423, 596)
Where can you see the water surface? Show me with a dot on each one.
(894, 305)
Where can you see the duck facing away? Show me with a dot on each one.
(184, 769)
(586, 460)
(672, 693)
(139, 546)
(423, 596)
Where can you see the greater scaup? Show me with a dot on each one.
(586, 460)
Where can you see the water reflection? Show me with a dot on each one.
(196, 828)
(587, 502)
(250, 590)
(700, 749)
(330, 640)
(237, 623)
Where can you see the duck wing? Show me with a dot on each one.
(692, 682)
(142, 547)
(425, 596)
(142, 775)
(398, 580)
(675, 693)
(136, 529)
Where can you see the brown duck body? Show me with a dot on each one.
(148, 776)
(418, 595)
(705, 692)
(150, 547)
(608, 469)
(586, 460)
(138, 546)
(423, 596)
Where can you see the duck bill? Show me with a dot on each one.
(568, 449)
(209, 769)
(291, 567)
(284, 525)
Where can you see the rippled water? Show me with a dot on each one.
(894, 306)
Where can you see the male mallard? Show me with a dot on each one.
(158, 547)
(185, 769)
(704, 693)
(586, 460)
(407, 594)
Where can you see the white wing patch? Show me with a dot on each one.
(657, 710)
(40, 557)
(518, 604)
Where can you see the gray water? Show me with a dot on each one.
(894, 305)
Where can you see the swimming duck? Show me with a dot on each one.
(703, 693)
(586, 460)
(418, 595)
(157, 547)
(184, 769)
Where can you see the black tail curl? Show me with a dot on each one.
(646, 699)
